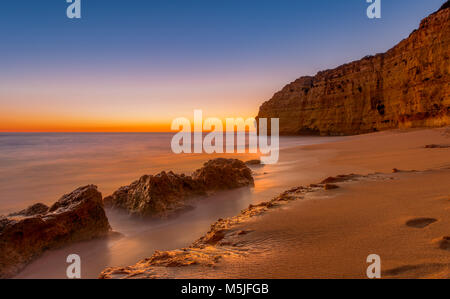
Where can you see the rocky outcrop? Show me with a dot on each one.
(408, 86)
(160, 195)
(165, 194)
(223, 174)
(75, 217)
(35, 209)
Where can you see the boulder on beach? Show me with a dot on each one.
(77, 216)
(165, 194)
(223, 174)
(158, 195)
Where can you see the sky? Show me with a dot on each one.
(135, 65)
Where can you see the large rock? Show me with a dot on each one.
(35, 209)
(223, 174)
(75, 217)
(408, 86)
(165, 194)
(159, 195)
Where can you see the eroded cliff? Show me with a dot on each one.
(408, 86)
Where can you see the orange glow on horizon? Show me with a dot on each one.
(61, 125)
(87, 128)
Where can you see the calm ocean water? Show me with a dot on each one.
(43, 167)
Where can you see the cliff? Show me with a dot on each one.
(408, 86)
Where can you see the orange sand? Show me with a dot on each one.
(330, 233)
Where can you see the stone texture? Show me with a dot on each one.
(408, 86)
(35, 209)
(223, 174)
(161, 195)
(165, 194)
(75, 217)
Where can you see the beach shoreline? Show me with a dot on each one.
(310, 232)
(139, 236)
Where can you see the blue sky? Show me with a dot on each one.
(162, 59)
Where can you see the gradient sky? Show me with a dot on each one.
(134, 65)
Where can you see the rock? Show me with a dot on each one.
(405, 87)
(224, 174)
(213, 237)
(3, 222)
(165, 194)
(340, 179)
(331, 180)
(445, 5)
(35, 209)
(159, 195)
(75, 217)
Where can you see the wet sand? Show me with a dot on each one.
(403, 217)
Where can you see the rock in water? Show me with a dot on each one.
(166, 193)
(408, 86)
(224, 174)
(75, 217)
(158, 195)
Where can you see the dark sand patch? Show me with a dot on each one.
(443, 243)
(412, 271)
(420, 222)
(437, 146)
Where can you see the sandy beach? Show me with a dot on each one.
(311, 232)
(229, 140)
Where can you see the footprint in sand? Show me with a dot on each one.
(443, 243)
(418, 271)
(420, 222)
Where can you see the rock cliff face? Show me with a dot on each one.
(408, 86)
(75, 217)
(165, 194)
